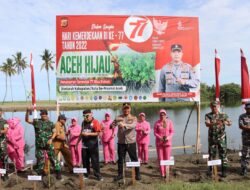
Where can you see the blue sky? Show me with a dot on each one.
(29, 26)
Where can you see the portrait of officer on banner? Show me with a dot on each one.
(177, 76)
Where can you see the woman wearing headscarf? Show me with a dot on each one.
(15, 142)
(108, 139)
(142, 138)
(74, 132)
(163, 131)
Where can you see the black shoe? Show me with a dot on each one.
(138, 177)
(5, 177)
(244, 172)
(223, 172)
(209, 171)
(99, 178)
(117, 178)
(58, 175)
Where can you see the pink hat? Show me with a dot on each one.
(107, 114)
(142, 114)
(73, 119)
(163, 111)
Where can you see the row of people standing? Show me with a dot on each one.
(82, 146)
(127, 140)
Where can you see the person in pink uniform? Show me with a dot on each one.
(74, 132)
(108, 140)
(15, 142)
(142, 138)
(163, 131)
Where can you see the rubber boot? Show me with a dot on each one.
(209, 171)
(244, 171)
(58, 175)
(223, 171)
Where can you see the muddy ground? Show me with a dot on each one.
(188, 168)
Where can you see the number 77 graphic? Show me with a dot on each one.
(139, 28)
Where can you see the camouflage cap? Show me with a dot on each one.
(43, 112)
(247, 105)
(214, 103)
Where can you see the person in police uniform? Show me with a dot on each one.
(217, 139)
(244, 125)
(177, 76)
(126, 124)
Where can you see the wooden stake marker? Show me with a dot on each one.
(205, 156)
(34, 178)
(30, 163)
(214, 164)
(80, 171)
(167, 164)
(133, 165)
(2, 172)
(240, 154)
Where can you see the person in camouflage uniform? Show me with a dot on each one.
(44, 130)
(244, 125)
(217, 139)
(3, 143)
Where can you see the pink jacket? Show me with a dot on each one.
(160, 131)
(142, 132)
(107, 133)
(74, 132)
(15, 135)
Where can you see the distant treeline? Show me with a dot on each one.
(230, 94)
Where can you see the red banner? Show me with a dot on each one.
(245, 87)
(132, 55)
(217, 76)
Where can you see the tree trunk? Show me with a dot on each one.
(48, 83)
(11, 89)
(6, 87)
(25, 90)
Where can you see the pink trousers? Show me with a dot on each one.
(109, 151)
(76, 154)
(18, 158)
(164, 153)
(143, 152)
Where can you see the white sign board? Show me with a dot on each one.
(167, 162)
(80, 170)
(29, 162)
(240, 154)
(205, 156)
(2, 171)
(34, 178)
(213, 162)
(133, 164)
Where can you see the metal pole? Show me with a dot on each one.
(198, 137)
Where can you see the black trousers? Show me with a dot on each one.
(131, 149)
(93, 154)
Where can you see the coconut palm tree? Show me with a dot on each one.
(9, 69)
(4, 68)
(21, 65)
(47, 64)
